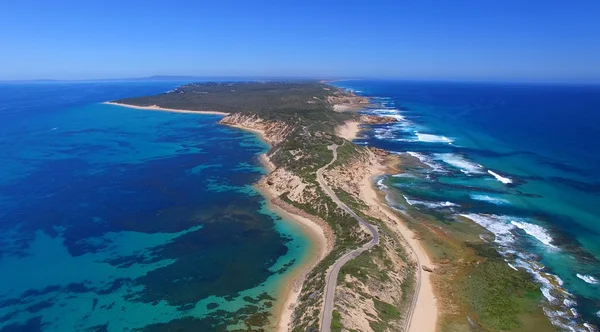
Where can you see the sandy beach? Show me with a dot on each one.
(292, 285)
(157, 108)
(424, 318)
(349, 130)
(425, 313)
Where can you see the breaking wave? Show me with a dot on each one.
(500, 178)
(587, 278)
(459, 162)
(427, 161)
(430, 138)
(536, 231)
(431, 205)
(489, 199)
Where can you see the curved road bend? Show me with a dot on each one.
(332, 274)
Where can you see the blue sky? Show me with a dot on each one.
(524, 40)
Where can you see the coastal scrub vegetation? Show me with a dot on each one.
(304, 104)
(476, 289)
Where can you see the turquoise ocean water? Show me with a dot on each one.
(522, 160)
(116, 219)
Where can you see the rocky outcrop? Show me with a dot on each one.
(343, 101)
(372, 119)
(274, 132)
(282, 181)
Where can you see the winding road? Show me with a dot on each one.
(334, 270)
(332, 274)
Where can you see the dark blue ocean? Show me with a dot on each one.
(522, 160)
(117, 219)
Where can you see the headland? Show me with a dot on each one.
(384, 287)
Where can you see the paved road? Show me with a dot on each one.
(332, 275)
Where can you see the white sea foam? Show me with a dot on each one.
(498, 225)
(574, 312)
(587, 278)
(459, 162)
(489, 199)
(560, 302)
(431, 205)
(500, 178)
(427, 161)
(430, 138)
(380, 185)
(547, 295)
(403, 175)
(389, 112)
(536, 231)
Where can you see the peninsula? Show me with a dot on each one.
(373, 269)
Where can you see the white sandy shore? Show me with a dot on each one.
(349, 130)
(292, 285)
(157, 108)
(425, 314)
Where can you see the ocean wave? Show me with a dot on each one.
(430, 138)
(536, 231)
(389, 112)
(560, 303)
(380, 184)
(403, 175)
(489, 199)
(431, 205)
(460, 162)
(587, 278)
(500, 178)
(497, 225)
(427, 161)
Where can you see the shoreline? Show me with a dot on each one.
(164, 109)
(293, 282)
(425, 313)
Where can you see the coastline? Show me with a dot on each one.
(425, 312)
(292, 283)
(164, 109)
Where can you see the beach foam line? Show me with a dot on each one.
(500, 178)
(489, 199)
(431, 205)
(587, 278)
(459, 162)
(427, 161)
(380, 185)
(536, 231)
(389, 112)
(430, 138)
(497, 225)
